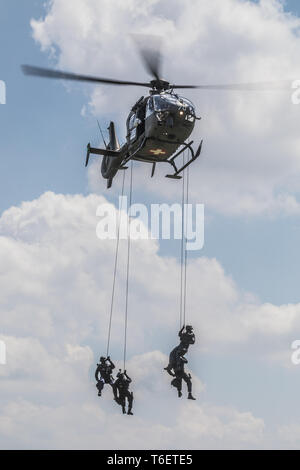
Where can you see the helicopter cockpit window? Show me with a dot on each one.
(150, 107)
(188, 108)
(164, 102)
(174, 103)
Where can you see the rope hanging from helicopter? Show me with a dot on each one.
(104, 371)
(115, 269)
(177, 359)
(183, 252)
(182, 246)
(185, 248)
(127, 268)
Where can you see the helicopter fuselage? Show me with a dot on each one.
(158, 125)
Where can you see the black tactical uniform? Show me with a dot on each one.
(180, 375)
(105, 369)
(121, 391)
(187, 337)
(174, 358)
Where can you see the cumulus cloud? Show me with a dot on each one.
(289, 435)
(56, 278)
(250, 159)
(55, 269)
(55, 406)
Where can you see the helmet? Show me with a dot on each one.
(102, 359)
(189, 328)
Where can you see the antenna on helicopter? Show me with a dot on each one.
(101, 134)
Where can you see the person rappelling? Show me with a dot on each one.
(180, 374)
(121, 391)
(104, 369)
(177, 361)
(186, 336)
(120, 386)
(174, 357)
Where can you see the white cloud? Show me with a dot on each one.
(55, 292)
(55, 406)
(250, 159)
(289, 435)
(55, 269)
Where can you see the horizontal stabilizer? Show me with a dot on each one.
(104, 152)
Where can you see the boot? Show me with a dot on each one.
(169, 371)
(179, 394)
(190, 396)
(123, 410)
(129, 412)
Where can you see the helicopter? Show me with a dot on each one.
(159, 125)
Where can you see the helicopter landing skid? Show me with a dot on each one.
(192, 159)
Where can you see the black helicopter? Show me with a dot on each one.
(158, 126)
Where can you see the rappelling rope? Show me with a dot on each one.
(127, 271)
(183, 253)
(115, 269)
(182, 245)
(185, 244)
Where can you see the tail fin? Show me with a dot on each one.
(109, 183)
(113, 139)
(109, 165)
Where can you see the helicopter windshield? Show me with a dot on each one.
(168, 102)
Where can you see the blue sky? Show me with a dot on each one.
(42, 148)
(39, 124)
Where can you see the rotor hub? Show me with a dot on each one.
(159, 85)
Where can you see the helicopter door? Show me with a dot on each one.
(132, 127)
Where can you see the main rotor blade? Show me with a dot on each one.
(255, 86)
(149, 49)
(49, 73)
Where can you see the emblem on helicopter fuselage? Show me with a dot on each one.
(158, 152)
